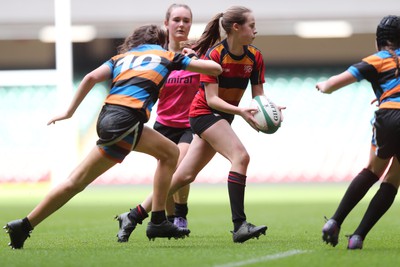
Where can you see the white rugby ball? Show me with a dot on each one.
(268, 116)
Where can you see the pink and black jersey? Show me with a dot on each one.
(175, 98)
(138, 76)
(237, 71)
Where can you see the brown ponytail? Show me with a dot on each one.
(396, 59)
(211, 34)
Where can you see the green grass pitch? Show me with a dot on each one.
(83, 232)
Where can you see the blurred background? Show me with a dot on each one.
(47, 46)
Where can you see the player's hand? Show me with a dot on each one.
(375, 100)
(59, 118)
(248, 115)
(280, 108)
(322, 87)
(190, 53)
(187, 51)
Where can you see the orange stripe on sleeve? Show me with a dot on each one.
(374, 61)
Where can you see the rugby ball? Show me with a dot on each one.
(267, 116)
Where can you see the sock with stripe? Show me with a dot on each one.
(236, 190)
(138, 214)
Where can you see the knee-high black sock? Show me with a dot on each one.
(138, 214)
(181, 210)
(378, 206)
(354, 193)
(236, 188)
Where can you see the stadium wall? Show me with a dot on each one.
(322, 138)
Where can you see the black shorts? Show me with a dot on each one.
(176, 135)
(201, 123)
(119, 129)
(387, 133)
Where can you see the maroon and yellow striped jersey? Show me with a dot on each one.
(237, 71)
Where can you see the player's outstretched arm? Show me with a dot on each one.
(336, 82)
(208, 67)
(100, 74)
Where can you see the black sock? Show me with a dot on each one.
(236, 189)
(378, 206)
(138, 214)
(354, 193)
(181, 210)
(171, 218)
(158, 217)
(26, 224)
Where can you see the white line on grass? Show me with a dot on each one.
(263, 259)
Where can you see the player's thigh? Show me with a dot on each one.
(183, 148)
(224, 140)
(377, 165)
(155, 144)
(393, 174)
(198, 155)
(92, 166)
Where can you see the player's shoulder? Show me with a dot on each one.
(216, 49)
(377, 58)
(254, 50)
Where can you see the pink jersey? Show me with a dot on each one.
(176, 97)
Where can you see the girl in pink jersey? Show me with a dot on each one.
(172, 120)
(174, 102)
(137, 73)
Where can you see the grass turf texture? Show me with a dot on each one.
(83, 232)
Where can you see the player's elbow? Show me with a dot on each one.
(217, 70)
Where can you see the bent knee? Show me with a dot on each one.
(170, 154)
(185, 179)
(243, 158)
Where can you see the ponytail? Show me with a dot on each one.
(210, 36)
(234, 14)
(396, 59)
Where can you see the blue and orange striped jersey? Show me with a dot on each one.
(138, 76)
(379, 69)
(237, 71)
